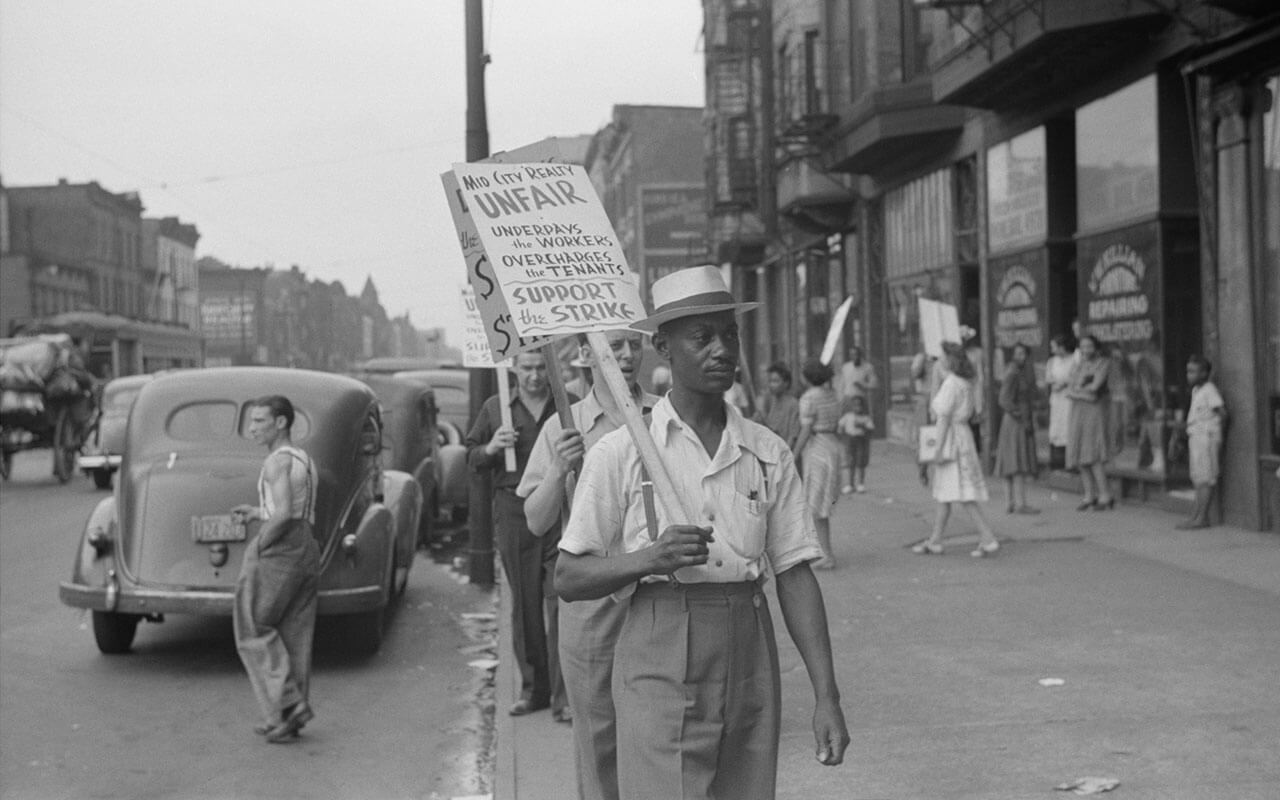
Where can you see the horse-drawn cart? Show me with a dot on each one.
(46, 400)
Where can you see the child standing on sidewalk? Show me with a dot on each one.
(857, 425)
(1205, 419)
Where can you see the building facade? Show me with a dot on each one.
(1039, 164)
(171, 285)
(77, 247)
(646, 165)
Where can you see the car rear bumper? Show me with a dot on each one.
(135, 600)
(88, 463)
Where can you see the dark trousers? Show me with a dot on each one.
(524, 560)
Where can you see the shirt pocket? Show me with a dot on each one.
(748, 526)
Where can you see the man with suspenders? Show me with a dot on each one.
(588, 629)
(275, 604)
(696, 683)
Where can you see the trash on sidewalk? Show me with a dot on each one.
(1052, 682)
(1088, 785)
(484, 663)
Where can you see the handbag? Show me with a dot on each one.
(929, 447)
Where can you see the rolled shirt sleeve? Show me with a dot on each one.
(540, 458)
(791, 537)
(596, 521)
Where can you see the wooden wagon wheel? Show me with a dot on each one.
(66, 443)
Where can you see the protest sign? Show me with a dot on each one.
(833, 333)
(476, 354)
(939, 323)
(504, 341)
(551, 247)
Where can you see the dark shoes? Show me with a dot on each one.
(524, 706)
(295, 717)
(562, 715)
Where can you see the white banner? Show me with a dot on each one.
(475, 344)
(551, 247)
(939, 323)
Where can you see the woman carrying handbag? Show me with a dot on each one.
(957, 469)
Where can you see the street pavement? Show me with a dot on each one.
(1166, 643)
(172, 719)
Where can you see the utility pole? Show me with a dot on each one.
(483, 385)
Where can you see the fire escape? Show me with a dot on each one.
(809, 197)
(739, 202)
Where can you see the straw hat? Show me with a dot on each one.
(689, 292)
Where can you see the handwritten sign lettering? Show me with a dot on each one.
(551, 248)
(497, 325)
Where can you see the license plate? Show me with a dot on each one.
(217, 528)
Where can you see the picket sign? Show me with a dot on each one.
(833, 333)
(562, 271)
(939, 323)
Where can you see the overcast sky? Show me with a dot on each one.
(313, 133)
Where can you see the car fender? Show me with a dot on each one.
(453, 475)
(92, 567)
(402, 496)
(367, 562)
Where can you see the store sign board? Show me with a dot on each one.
(1120, 287)
(228, 317)
(475, 342)
(551, 248)
(675, 218)
(1017, 197)
(1020, 301)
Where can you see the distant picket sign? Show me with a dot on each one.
(476, 352)
(504, 341)
(550, 244)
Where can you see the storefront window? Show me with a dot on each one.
(1016, 196)
(1117, 157)
(1271, 254)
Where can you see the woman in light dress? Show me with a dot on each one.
(818, 451)
(957, 468)
(1057, 375)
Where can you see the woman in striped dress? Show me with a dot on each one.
(818, 451)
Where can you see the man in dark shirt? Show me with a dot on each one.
(525, 558)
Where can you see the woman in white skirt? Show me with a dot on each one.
(957, 469)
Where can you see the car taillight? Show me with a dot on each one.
(102, 539)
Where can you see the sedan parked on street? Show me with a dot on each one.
(165, 542)
(414, 442)
(452, 390)
(100, 455)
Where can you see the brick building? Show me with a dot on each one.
(1032, 162)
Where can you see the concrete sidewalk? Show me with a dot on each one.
(1167, 642)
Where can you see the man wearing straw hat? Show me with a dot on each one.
(588, 628)
(695, 682)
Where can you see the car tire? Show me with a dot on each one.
(102, 478)
(429, 520)
(114, 632)
(65, 446)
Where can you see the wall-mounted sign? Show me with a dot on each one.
(228, 317)
(1020, 301)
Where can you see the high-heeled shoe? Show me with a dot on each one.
(1086, 505)
(927, 549)
(1107, 506)
(987, 549)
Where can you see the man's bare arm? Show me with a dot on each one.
(279, 485)
(590, 577)
(806, 618)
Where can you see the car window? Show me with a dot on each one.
(204, 421)
(449, 394)
(301, 423)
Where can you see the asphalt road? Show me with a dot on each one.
(173, 718)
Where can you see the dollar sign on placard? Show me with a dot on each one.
(484, 259)
(497, 327)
